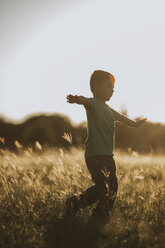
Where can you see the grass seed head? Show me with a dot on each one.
(67, 137)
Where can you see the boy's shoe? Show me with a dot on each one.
(71, 206)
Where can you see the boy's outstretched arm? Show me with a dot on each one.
(78, 99)
(130, 122)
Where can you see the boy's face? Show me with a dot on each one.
(104, 91)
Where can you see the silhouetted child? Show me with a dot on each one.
(99, 145)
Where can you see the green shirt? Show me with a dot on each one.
(101, 128)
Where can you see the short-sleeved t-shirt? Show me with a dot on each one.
(101, 128)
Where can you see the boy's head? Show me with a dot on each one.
(102, 84)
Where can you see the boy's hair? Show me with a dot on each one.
(99, 76)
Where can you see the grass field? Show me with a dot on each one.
(35, 185)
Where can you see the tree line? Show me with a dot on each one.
(52, 131)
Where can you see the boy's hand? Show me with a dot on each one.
(140, 122)
(130, 122)
(79, 100)
(72, 99)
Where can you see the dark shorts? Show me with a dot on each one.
(99, 164)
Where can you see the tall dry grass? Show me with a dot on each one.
(35, 185)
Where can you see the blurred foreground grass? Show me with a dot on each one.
(35, 185)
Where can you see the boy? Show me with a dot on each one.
(99, 145)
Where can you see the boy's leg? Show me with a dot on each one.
(94, 193)
(112, 183)
(106, 202)
(75, 202)
(99, 191)
(103, 171)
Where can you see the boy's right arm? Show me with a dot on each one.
(79, 100)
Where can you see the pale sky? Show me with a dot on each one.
(49, 49)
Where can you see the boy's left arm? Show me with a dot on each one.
(126, 120)
(131, 122)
